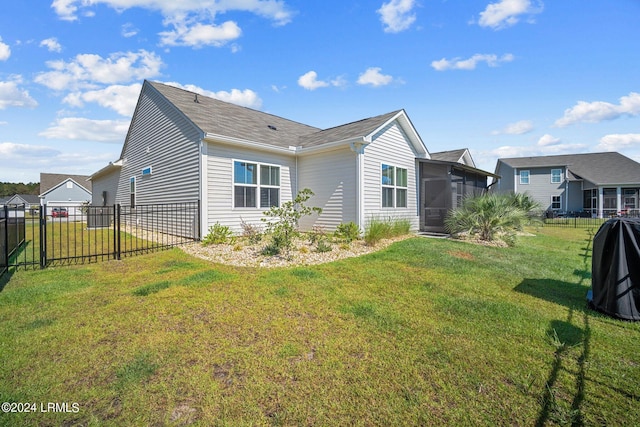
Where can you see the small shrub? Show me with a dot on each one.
(400, 227)
(323, 246)
(317, 234)
(283, 224)
(304, 250)
(270, 250)
(218, 235)
(251, 232)
(345, 246)
(378, 229)
(348, 232)
(237, 247)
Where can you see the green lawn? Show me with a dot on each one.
(426, 332)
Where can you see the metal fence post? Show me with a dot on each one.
(5, 255)
(116, 224)
(43, 235)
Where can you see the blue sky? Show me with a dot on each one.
(504, 78)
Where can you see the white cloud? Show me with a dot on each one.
(119, 98)
(595, 112)
(129, 30)
(51, 44)
(372, 76)
(491, 60)
(5, 51)
(506, 13)
(12, 151)
(617, 142)
(199, 35)
(11, 95)
(87, 70)
(82, 129)
(517, 128)
(310, 81)
(245, 98)
(547, 140)
(396, 15)
(191, 23)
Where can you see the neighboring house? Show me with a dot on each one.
(68, 191)
(30, 201)
(239, 162)
(594, 184)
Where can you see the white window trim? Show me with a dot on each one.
(395, 186)
(257, 185)
(559, 196)
(150, 168)
(133, 181)
(528, 176)
(551, 177)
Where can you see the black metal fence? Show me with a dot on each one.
(580, 221)
(12, 233)
(59, 235)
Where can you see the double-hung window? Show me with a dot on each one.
(524, 177)
(556, 202)
(255, 184)
(394, 187)
(556, 176)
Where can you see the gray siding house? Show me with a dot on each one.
(68, 191)
(238, 162)
(593, 184)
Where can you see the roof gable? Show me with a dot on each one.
(462, 156)
(50, 180)
(60, 184)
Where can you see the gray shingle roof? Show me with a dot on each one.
(50, 180)
(347, 131)
(598, 168)
(449, 156)
(217, 117)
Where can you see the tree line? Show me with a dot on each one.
(10, 188)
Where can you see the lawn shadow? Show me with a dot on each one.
(6, 277)
(568, 294)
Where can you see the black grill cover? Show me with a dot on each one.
(615, 278)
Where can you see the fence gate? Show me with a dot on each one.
(57, 235)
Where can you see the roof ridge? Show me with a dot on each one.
(152, 82)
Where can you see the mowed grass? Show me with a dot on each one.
(425, 332)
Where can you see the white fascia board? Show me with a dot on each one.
(109, 167)
(209, 137)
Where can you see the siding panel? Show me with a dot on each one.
(160, 137)
(332, 178)
(390, 146)
(220, 208)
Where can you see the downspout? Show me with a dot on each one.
(203, 187)
(358, 148)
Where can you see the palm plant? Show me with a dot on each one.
(486, 216)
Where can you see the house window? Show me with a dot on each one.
(556, 176)
(69, 184)
(524, 177)
(248, 184)
(394, 187)
(556, 202)
(269, 186)
(132, 191)
(147, 171)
